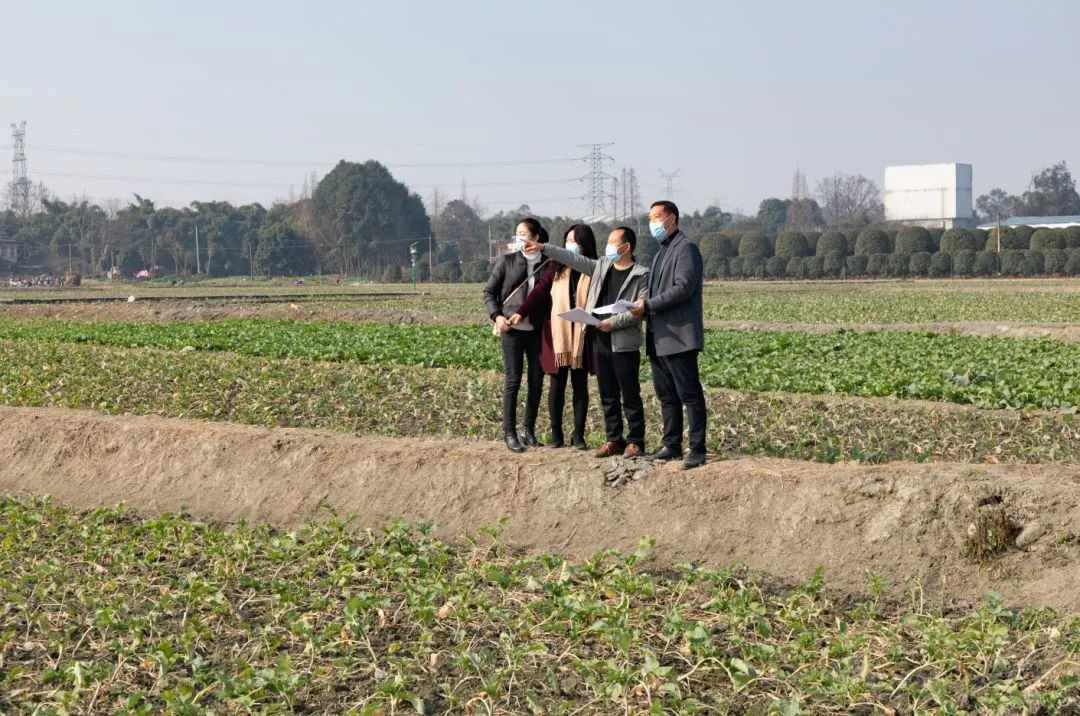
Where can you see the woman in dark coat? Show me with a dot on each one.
(512, 277)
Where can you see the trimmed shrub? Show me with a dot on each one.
(955, 240)
(1023, 236)
(1072, 237)
(898, 264)
(913, 239)
(791, 243)
(755, 244)
(812, 238)
(1012, 262)
(1072, 266)
(833, 264)
(980, 237)
(856, 265)
(832, 241)
(1009, 240)
(940, 264)
(1044, 239)
(776, 267)
(796, 267)
(1055, 261)
(717, 245)
(735, 266)
(891, 233)
(1034, 263)
(919, 265)
(872, 241)
(986, 263)
(935, 236)
(716, 267)
(877, 265)
(963, 263)
(753, 267)
(815, 266)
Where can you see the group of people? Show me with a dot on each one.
(531, 287)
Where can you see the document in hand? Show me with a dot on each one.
(620, 306)
(580, 315)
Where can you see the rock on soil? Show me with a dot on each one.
(907, 522)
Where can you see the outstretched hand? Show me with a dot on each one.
(639, 308)
(531, 245)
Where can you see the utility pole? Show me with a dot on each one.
(430, 260)
(595, 192)
(198, 265)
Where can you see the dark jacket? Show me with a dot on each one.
(673, 309)
(509, 272)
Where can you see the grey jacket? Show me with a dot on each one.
(626, 330)
(674, 308)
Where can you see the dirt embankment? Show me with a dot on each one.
(910, 523)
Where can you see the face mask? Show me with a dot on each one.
(572, 247)
(656, 228)
(612, 252)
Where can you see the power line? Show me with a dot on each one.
(140, 156)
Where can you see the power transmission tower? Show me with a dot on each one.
(625, 194)
(669, 187)
(615, 198)
(595, 190)
(798, 185)
(20, 180)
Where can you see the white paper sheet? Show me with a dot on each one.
(580, 315)
(618, 307)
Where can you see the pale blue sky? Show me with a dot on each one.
(732, 94)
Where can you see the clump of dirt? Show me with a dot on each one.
(905, 522)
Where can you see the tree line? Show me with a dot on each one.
(359, 220)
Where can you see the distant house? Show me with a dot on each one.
(9, 250)
(1037, 222)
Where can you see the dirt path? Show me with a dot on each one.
(905, 521)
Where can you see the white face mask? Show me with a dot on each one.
(572, 247)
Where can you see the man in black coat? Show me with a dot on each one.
(675, 334)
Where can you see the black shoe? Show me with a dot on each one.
(579, 443)
(528, 439)
(666, 453)
(694, 459)
(512, 443)
(556, 444)
(557, 440)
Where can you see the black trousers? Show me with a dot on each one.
(579, 382)
(519, 347)
(678, 385)
(620, 390)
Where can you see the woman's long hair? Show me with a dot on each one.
(583, 236)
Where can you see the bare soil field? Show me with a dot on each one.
(943, 529)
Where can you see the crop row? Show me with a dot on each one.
(842, 305)
(987, 372)
(105, 612)
(412, 401)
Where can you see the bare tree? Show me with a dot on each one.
(850, 200)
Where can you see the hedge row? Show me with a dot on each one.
(907, 241)
(939, 264)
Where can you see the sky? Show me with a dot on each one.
(240, 101)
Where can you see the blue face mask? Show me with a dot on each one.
(656, 228)
(612, 252)
(572, 247)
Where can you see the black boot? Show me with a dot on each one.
(512, 443)
(578, 441)
(529, 439)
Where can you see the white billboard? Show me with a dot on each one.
(928, 192)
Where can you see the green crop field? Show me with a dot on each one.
(107, 613)
(982, 371)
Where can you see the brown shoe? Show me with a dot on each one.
(611, 449)
(633, 451)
